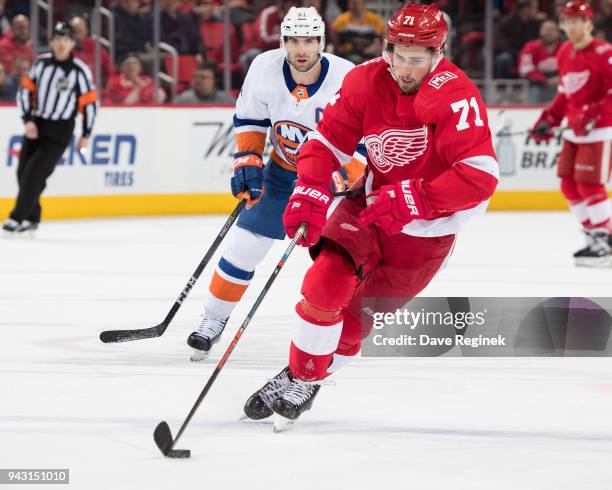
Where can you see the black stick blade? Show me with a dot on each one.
(163, 440)
(115, 336)
(163, 437)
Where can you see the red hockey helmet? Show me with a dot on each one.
(417, 25)
(577, 9)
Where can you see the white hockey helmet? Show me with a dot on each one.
(303, 22)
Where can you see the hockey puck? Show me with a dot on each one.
(178, 453)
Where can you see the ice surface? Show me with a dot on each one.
(69, 401)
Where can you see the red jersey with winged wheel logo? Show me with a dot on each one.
(585, 77)
(439, 134)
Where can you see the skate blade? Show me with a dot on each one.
(594, 262)
(199, 355)
(282, 424)
(246, 420)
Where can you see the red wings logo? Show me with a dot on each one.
(574, 81)
(396, 147)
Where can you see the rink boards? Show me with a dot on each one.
(171, 160)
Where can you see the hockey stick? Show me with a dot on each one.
(115, 336)
(162, 435)
(527, 132)
(349, 192)
(111, 336)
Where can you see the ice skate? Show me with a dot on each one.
(580, 253)
(259, 404)
(27, 226)
(295, 400)
(10, 226)
(208, 333)
(597, 253)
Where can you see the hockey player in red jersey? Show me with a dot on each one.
(430, 166)
(585, 99)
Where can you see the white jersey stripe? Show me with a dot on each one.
(316, 339)
(484, 163)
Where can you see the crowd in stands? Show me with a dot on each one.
(527, 37)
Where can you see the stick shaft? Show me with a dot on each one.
(242, 328)
(157, 331)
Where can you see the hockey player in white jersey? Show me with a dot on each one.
(284, 93)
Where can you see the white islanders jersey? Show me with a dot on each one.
(269, 98)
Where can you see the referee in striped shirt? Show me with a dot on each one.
(54, 91)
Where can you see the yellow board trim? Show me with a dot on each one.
(74, 207)
(129, 205)
(528, 201)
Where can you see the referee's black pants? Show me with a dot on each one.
(37, 161)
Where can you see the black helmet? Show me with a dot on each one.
(62, 29)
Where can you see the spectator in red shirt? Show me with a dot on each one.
(268, 24)
(538, 63)
(130, 86)
(17, 43)
(85, 49)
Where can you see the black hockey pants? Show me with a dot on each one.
(37, 161)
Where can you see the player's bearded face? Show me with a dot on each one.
(302, 52)
(411, 64)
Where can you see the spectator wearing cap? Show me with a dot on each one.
(538, 63)
(179, 29)
(49, 118)
(358, 33)
(16, 43)
(130, 86)
(85, 49)
(133, 29)
(203, 88)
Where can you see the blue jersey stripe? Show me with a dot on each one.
(233, 271)
(264, 123)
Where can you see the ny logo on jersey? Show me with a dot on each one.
(574, 81)
(396, 147)
(290, 136)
